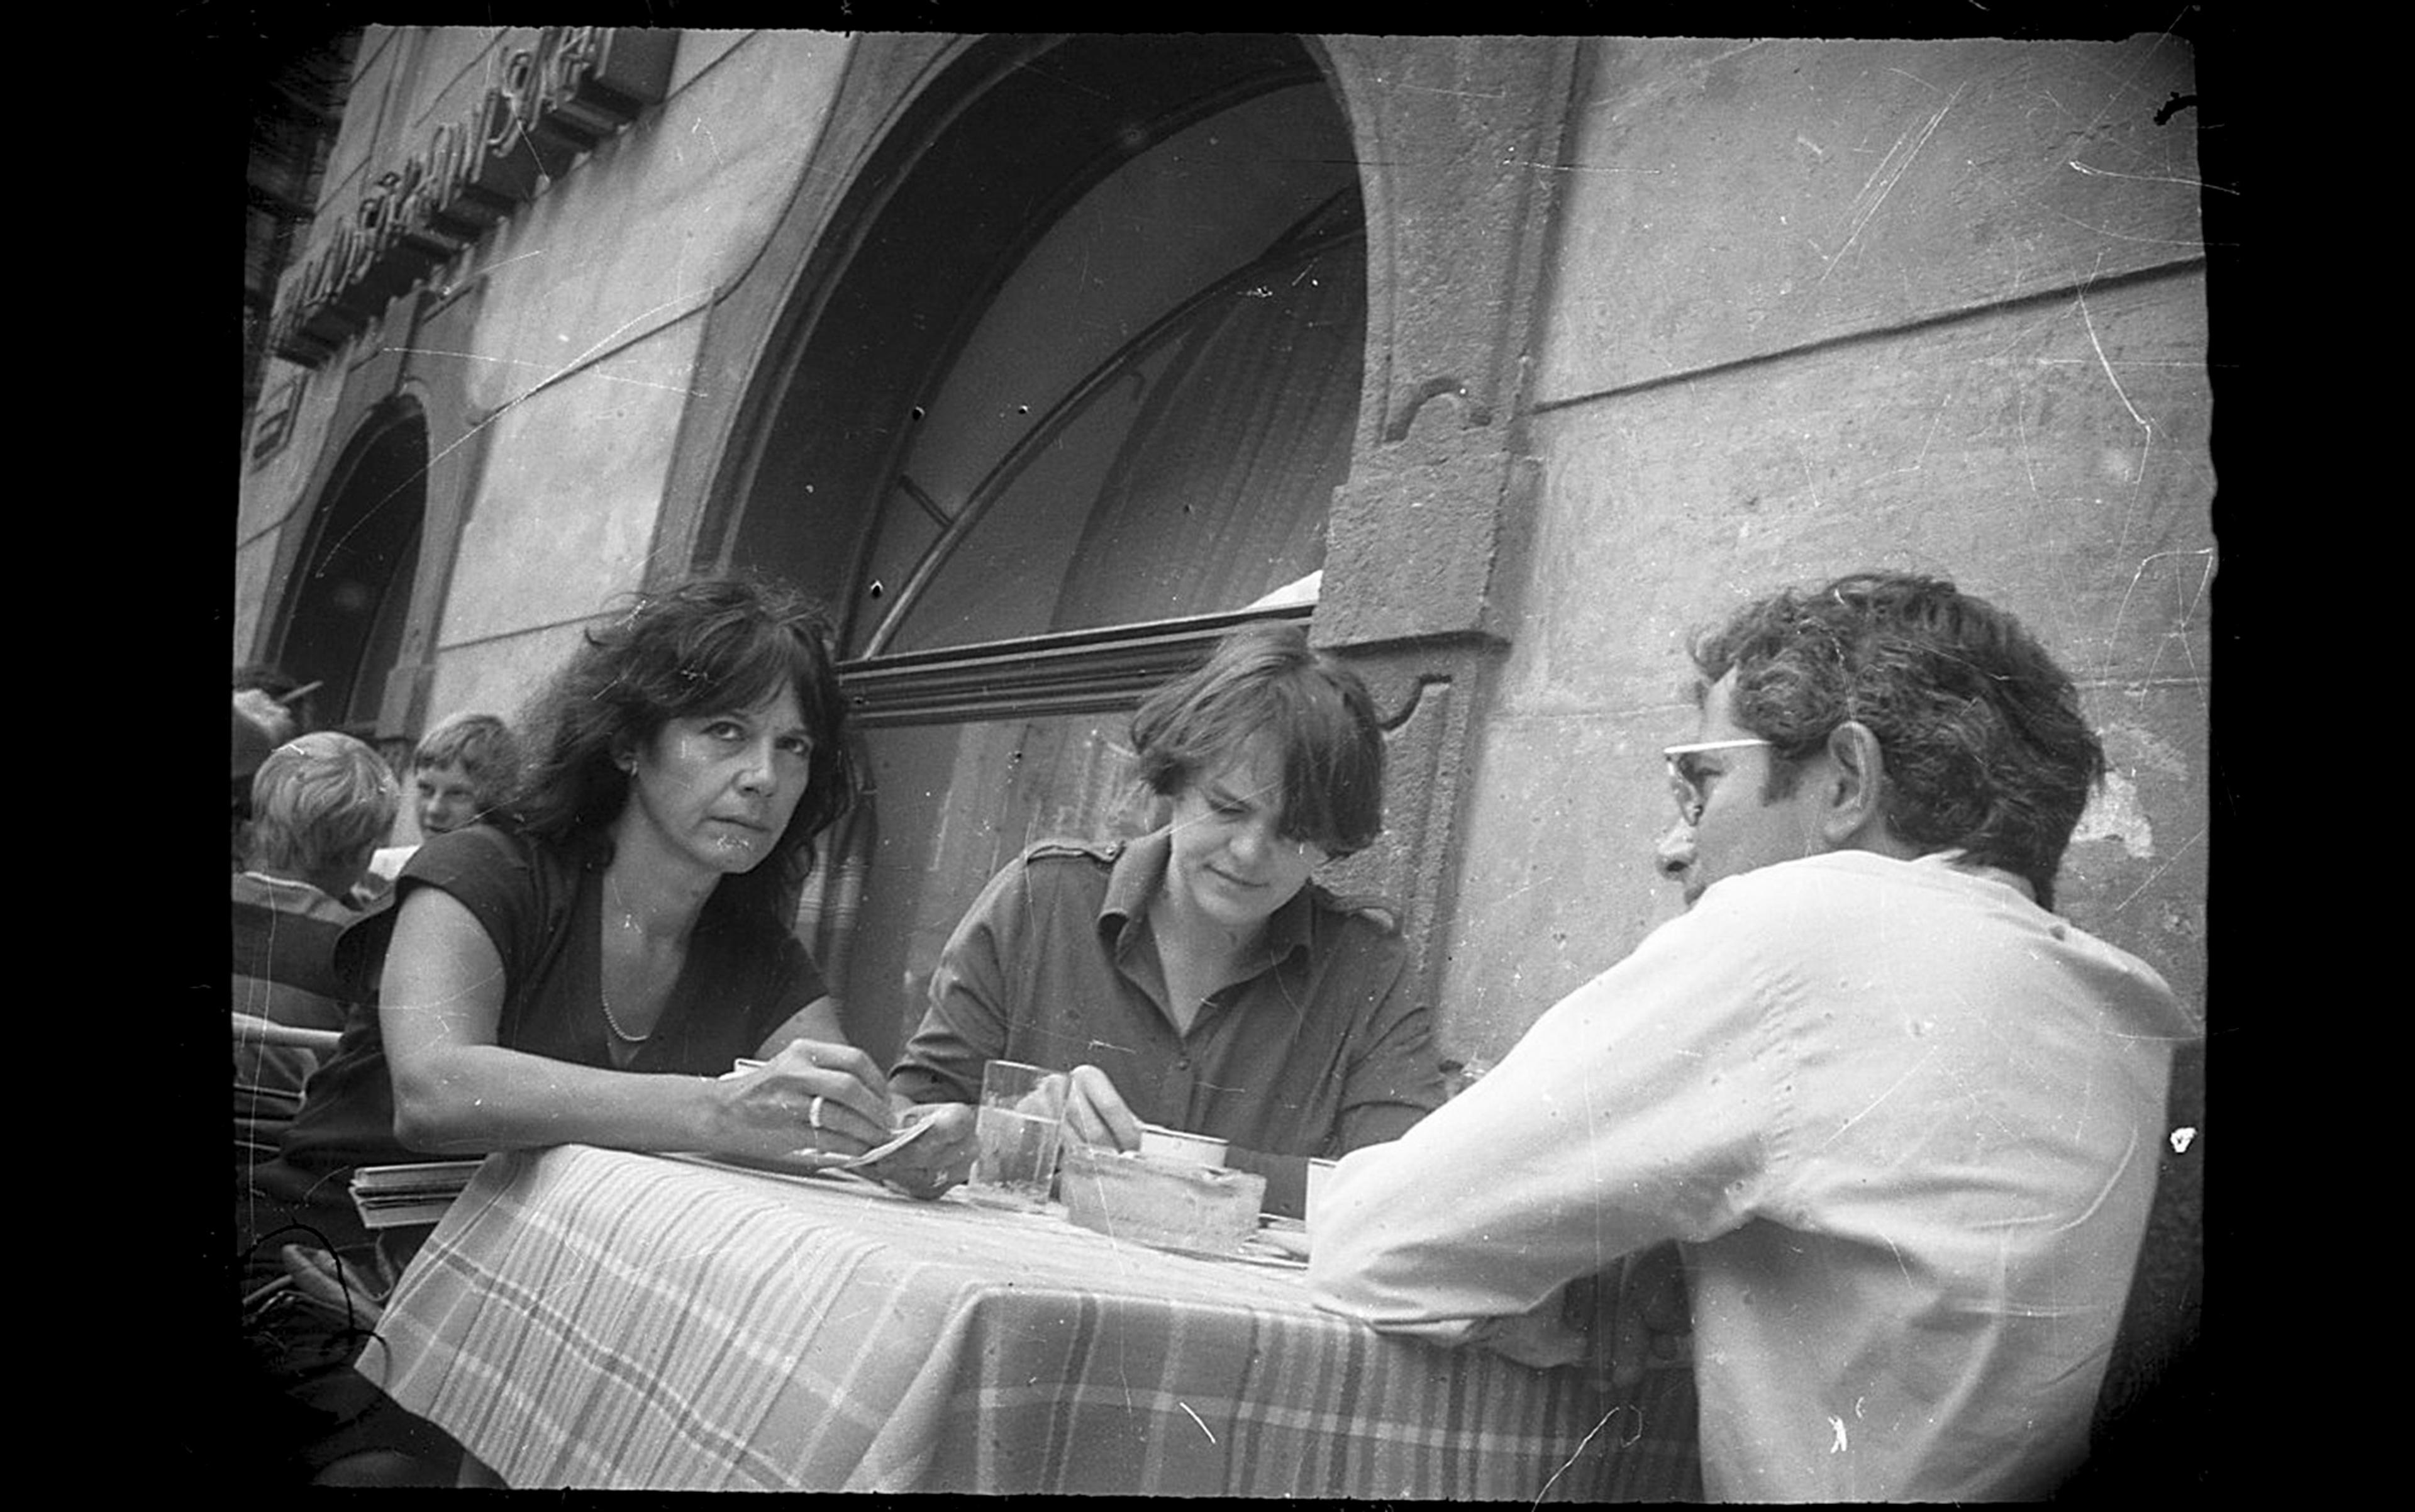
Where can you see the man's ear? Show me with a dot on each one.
(1852, 806)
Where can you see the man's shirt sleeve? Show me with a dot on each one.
(1646, 1105)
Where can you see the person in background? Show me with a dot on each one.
(319, 803)
(253, 743)
(1899, 1116)
(460, 771)
(275, 701)
(1195, 978)
(270, 709)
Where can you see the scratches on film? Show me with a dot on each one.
(1194, 1417)
(1886, 177)
(1628, 1442)
(2188, 611)
(596, 350)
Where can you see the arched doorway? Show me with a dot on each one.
(1070, 401)
(351, 593)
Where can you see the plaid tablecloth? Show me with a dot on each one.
(587, 1317)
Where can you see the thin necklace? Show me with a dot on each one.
(614, 1025)
(628, 920)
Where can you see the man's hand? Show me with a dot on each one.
(254, 703)
(1095, 1112)
(1654, 1322)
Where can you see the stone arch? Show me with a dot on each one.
(348, 597)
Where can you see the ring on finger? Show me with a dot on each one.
(814, 1114)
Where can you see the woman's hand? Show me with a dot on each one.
(813, 1096)
(939, 1159)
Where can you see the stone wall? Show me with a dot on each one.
(1819, 307)
(556, 359)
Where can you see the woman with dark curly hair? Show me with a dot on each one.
(586, 966)
(685, 762)
(582, 969)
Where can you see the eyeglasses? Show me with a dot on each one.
(1685, 782)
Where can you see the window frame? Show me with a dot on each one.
(1062, 672)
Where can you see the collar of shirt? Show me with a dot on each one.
(289, 893)
(1959, 859)
(1140, 869)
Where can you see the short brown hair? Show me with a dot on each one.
(482, 745)
(316, 798)
(1264, 679)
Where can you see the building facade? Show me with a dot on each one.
(1504, 362)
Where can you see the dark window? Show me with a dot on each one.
(351, 593)
(1078, 397)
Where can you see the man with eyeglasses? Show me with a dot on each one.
(1901, 1119)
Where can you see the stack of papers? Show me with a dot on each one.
(397, 1196)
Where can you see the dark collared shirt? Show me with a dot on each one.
(539, 904)
(1319, 1052)
(285, 951)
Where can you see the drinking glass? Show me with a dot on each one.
(1020, 1128)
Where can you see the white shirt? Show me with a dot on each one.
(385, 862)
(1905, 1124)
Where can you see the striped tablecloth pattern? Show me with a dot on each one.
(587, 1317)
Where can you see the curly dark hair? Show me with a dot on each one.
(1265, 678)
(705, 646)
(1984, 746)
